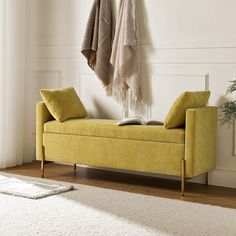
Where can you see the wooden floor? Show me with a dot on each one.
(200, 193)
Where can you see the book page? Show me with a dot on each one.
(153, 122)
(131, 121)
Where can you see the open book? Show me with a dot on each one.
(137, 121)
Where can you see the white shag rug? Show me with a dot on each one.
(29, 189)
(91, 211)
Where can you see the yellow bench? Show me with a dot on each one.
(185, 152)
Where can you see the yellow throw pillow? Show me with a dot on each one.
(63, 104)
(176, 115)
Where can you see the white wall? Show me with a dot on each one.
(181, 42)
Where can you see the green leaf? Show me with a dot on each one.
(232, 87)
(229, 112)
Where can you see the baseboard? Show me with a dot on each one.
(223, 177)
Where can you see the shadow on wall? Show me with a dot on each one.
(101, 111)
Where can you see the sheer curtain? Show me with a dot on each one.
(12, 79)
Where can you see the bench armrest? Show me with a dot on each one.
(200, 140)
(42, 116)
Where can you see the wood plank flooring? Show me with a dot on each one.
(200, 193)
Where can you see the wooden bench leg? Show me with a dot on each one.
(206, 179)
(182, 177)
(74, 169)
(42, 162)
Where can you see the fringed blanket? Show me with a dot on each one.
(97, 42)
(125, 54)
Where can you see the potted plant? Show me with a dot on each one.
(229, 107)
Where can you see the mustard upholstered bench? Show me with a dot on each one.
(186, 152)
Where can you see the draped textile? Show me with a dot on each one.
(97, 41)
(125, 55)
(12, 77)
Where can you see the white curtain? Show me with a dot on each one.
(12, 79)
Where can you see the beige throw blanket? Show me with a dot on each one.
(97, 42)
(125, 55)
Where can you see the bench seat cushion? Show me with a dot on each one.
(109, 129)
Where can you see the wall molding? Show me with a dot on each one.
(158, 45)
(223, 177)
(59, 72)
(187, 63)
(224, 169)
(149, 53)
(45, 71)
(80, 74)
(155, 76)
(206, 76)
(190, 45)
(145, 60)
